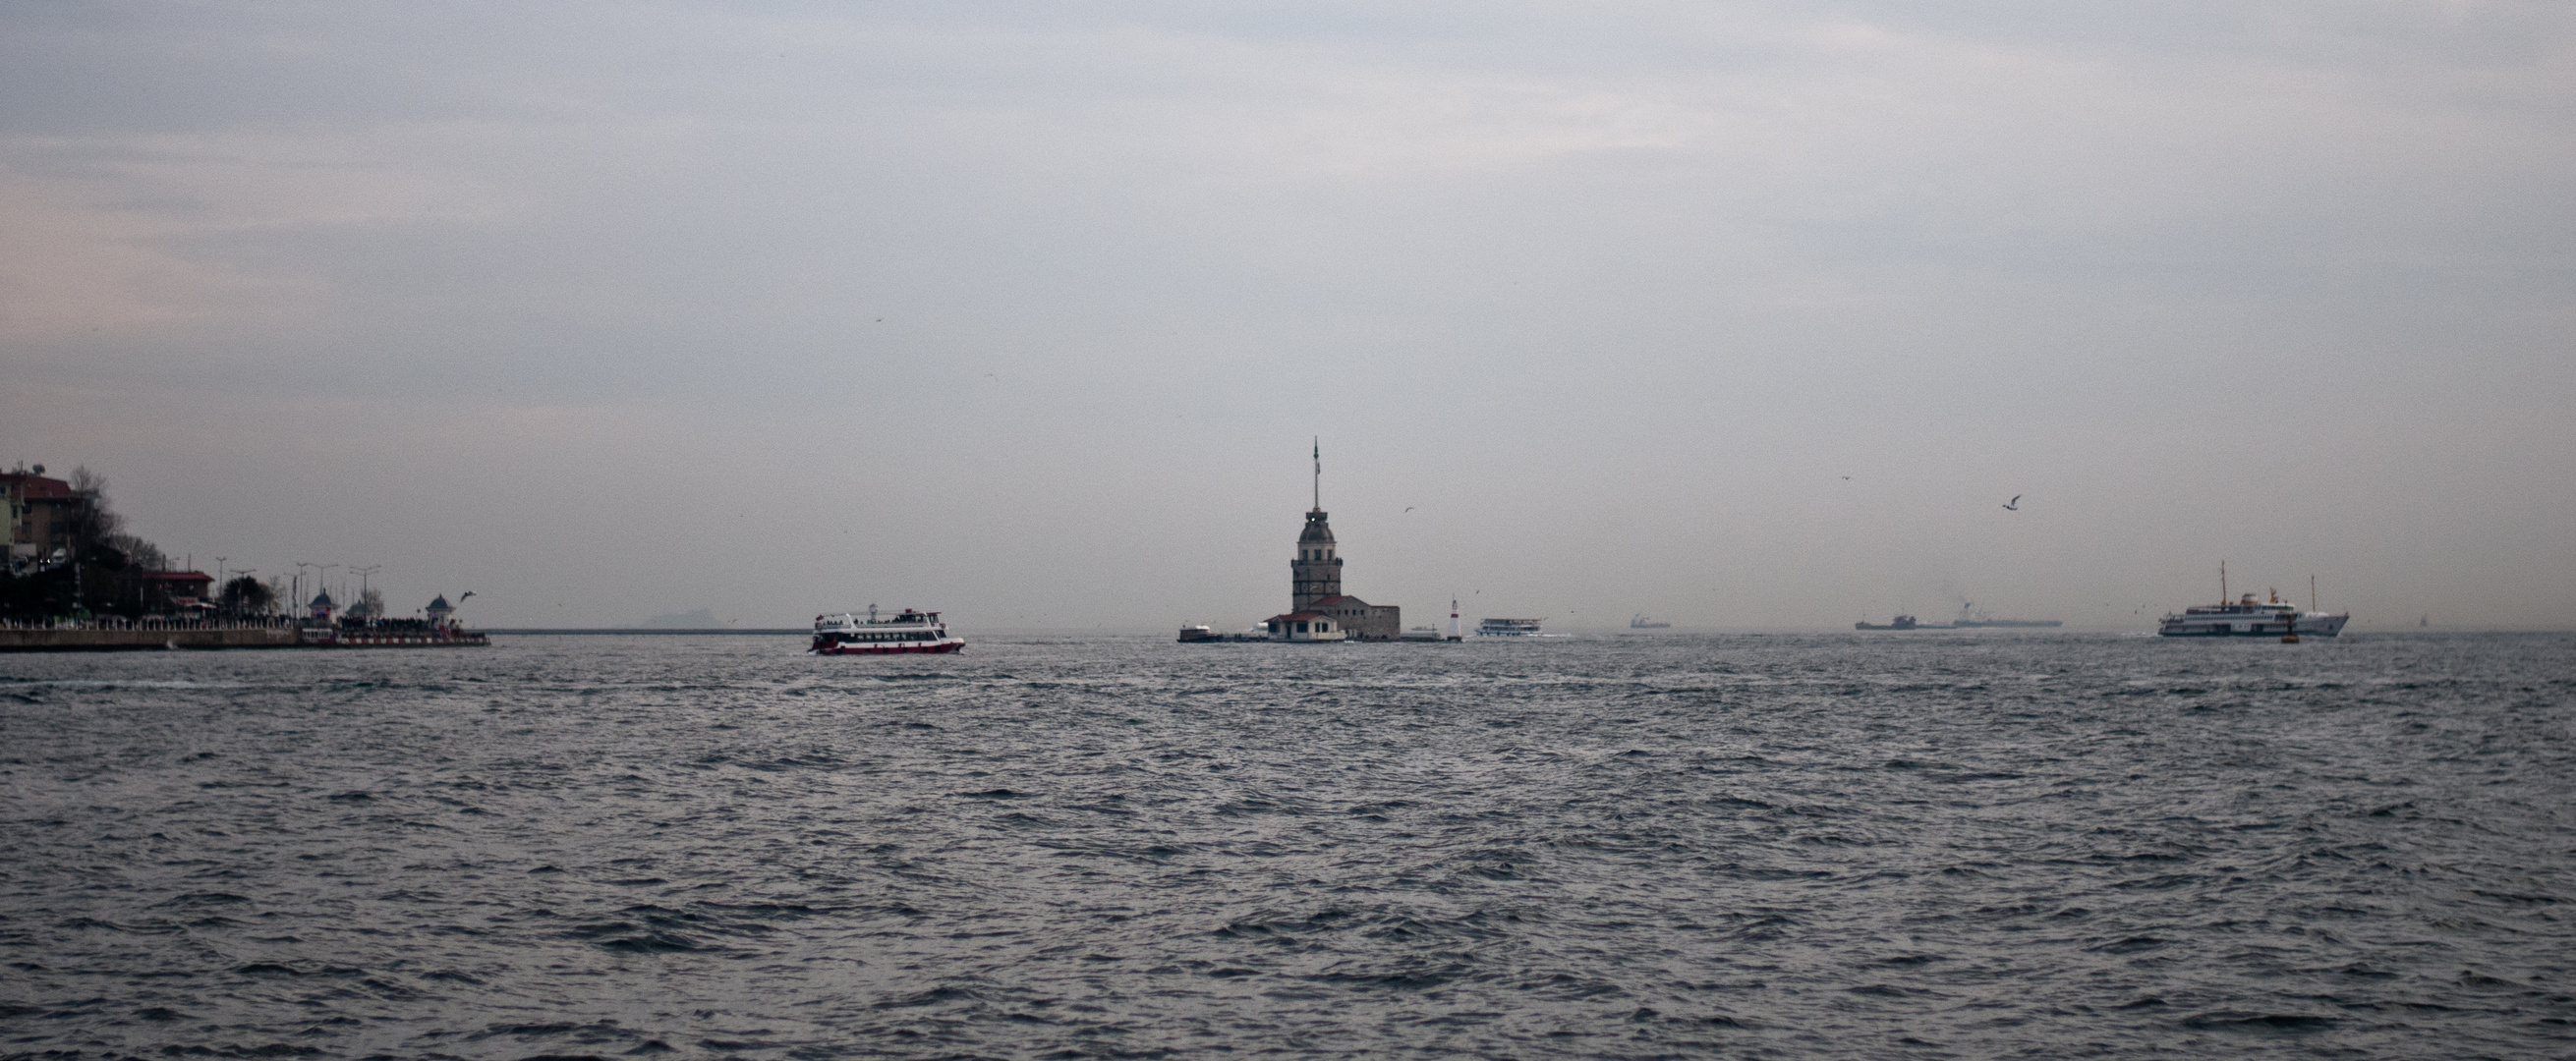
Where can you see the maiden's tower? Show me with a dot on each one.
(1318, 610)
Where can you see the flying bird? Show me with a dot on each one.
(468, 593)
(1408, 508)
(2013, 505)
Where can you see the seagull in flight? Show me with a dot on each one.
(2013, 505)
(1408, 508)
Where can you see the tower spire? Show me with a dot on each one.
(1316, 574)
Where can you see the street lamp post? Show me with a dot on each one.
(363, 572)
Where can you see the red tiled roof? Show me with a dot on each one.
(31, 485)
(1294, 616)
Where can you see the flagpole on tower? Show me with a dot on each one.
(1319, 473)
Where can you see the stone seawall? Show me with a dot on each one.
(142, 640)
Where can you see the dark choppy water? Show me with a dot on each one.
(1829, 846)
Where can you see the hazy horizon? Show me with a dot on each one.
(1739, 315)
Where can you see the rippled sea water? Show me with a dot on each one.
(1924, 845)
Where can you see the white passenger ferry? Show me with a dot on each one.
(2252, 618)
(849, 634)
(1508, 628)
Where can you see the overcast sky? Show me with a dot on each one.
(1737, 314)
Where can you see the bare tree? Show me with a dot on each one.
(246, 596)
(109, 567)
(140, 555)
(92, 519)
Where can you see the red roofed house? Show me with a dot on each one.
(1305, 626)
(178, 589)
(42, 515)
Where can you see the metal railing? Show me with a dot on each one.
(267, 622)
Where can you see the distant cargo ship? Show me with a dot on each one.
(1508, 628)
(1643, 623)
(1903, 622)
(907, 633)
(1970, 618)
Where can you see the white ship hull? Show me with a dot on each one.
(2274, 624)
(947, 645)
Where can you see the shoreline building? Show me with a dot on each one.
(1318, 610)
(45, 516)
